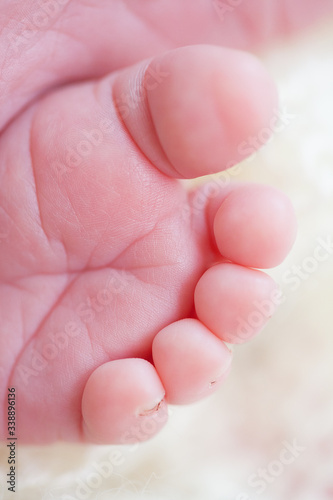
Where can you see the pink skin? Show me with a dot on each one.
(88, 39)
(103, 256)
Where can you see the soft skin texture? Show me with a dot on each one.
(101, 246)
(80, 39)
(190, 360)
(113, 249)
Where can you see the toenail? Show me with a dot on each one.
(217, 380)
(152, 410)
(222, 375)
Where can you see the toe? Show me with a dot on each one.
(191, 361)
(254, 226)
(235, 302)
(191, 109)
(123, 402)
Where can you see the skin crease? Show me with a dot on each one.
(62, 250)
(73, 251)
(138, 29)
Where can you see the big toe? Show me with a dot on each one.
(199, 104)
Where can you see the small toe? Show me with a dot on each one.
(123, 402)
(190, 360)
(255, 226)
(235, 302)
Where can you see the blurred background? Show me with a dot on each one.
(268, 432)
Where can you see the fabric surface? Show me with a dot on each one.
(268, 432)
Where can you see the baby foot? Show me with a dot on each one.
(113, 34)
(117, 293)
